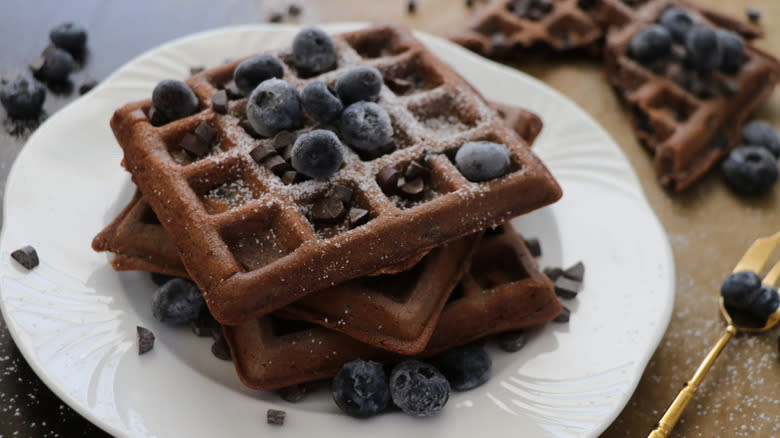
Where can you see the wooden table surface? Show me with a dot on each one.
(708, 226)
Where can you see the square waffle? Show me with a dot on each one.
(503, 28)
(243, 231)
(504, 290)
(394, 312)
(688, 126)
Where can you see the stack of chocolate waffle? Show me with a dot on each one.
(301, 288)
(688, 123)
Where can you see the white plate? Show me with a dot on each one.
(74, 319)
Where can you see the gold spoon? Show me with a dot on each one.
(754, 260)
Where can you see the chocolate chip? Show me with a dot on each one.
(283, 139)
(194, 145)
(533, 246)
(206, 133)
(387, 179)
(411, 189)
(575, 272)
(262, 152)
(498, 43)
(26, 256)
(567, 288)
(275, 417)
(220, 349)
(276, 164)
(294, 9)
(753, 14)
(357, 216)
(244, 123)
(469, 3)
(289, 176)
(232, 90)
(196, 69)
(219, 101)
(327, 211)
(399, 85)
(553, 273)
(411, 6)
(145, 340)
(414, 170)
(564, 315)
(512, 341)
(156, 117)
(285, 152)
(88, 84)
(205, 325)
(293, 393)
(276, 17)
(340, 192)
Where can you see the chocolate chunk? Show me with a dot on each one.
(753, 14)
(232, 90)
(533, 246)
(327, 211)
(276, 164)
(575, 272)
(194, 145)
(145, 340)
(399, 85)
(275, 417)
(388, 178)
(276, 17)
(357, 216)
(289, 176)
(283, 139)
(567, 288)
(553, 273)
(469, 3)
(205, 325)
(564, 315)
(411, 6)
(294, 9)
(285, 152)
(220, 349)
(293, 393)
(498, 43)
(340, 192)
(88, 84)
(244, 123)
(512, 341)
(206, 133)
(261, 152)
(26, 256)
(156, 117)
(196, 69)
(219, 101)
(414, 170)
(411, 189)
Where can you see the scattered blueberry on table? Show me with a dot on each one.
(750, 170)
(23, 97)
(465, 367)
(360, 388)
(70, 37)
(178, 301)
(57, 65)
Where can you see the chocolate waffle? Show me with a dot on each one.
(504, 290)
(244, 230)
(687, 121)
(503, 28)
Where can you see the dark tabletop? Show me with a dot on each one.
(708, 227)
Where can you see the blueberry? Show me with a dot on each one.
(360, 388)
(160, 279)
(733, 51)
(273, 106)
(737, 288)
(366, 126)
(418, 388)
(761, 133)
(359, 83)
(482, 160)
(321, 102)
(69, 37)
(704, 49)
(317, 154)
(466, 367)
(251, 72)
(750, 170)
(57, 66)
(174, 99)
(678, 22)
(313, 50)
(178, 301)
(651, 43)
(23, 97)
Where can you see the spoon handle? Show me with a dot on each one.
(673, 414)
